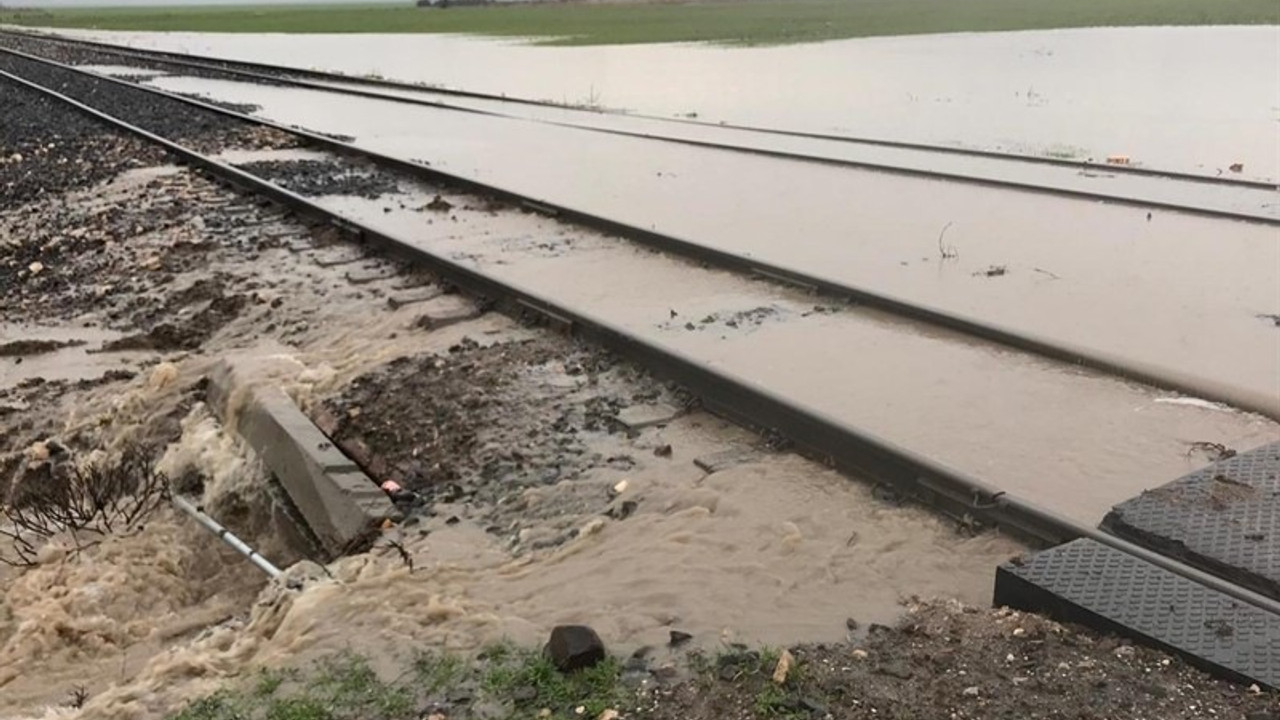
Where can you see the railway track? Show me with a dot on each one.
(1020, 340)
(751, 404)
(291, 75)
(1229, 198)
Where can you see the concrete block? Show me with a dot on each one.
(342, 506)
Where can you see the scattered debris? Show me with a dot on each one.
(1213, 450)
(993, 271)
(439, 204)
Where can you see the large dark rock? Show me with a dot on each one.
(574, 647)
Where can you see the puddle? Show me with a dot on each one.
(1196, 99)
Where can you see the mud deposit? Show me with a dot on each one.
(945, 660)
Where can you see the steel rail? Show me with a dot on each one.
(1106, 363)
(290, 76)
(816, 435)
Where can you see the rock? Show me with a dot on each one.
(609, 714)
(971, 691)
(783, 668)
(35, 268)
(860, 654)
(574, 647)
(851, 624)
(679, 638)
(1125, 651)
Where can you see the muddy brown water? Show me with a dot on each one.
(1155, 289)
(1188, 98)
(776, 549)
(1073, 441)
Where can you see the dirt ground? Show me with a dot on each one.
(946, 660)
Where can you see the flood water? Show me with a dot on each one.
(1186, 296)
(1196, 99)
(1073, 441)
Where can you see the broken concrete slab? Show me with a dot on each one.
(342, 506)
(639, 417)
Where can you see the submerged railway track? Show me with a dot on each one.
(1111, 363)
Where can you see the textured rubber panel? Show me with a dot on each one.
(1092, 584)
(1223, 519)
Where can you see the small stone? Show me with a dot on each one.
(783, 668)
(621, 487)
(1009, 658)
(35, 268)
(971, 691)
(573, 647)
(1254, 689)
(609, 714)
(679, 638)
(580, 710)
(544, 713)
(662, 451)
(860, 654)
(1125, 651)
(1019, 632)
(850, 624)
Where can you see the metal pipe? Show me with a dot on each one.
(226, 536)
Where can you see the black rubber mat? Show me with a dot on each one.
(1223, 519)
(1091, 584)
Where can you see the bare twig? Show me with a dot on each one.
(948, 252)
(404, 554)
(1046, 272)
(96, 498)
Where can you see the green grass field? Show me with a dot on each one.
(740, 22)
